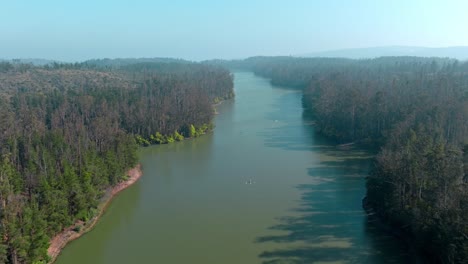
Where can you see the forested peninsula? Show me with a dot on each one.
(69, 132)
(415, 112)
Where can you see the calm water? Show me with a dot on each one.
(193, 204)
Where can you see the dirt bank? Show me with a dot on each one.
(79, 228)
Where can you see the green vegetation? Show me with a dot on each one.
(159, 138)
(178, 137)
(69, 132)
(415, 110)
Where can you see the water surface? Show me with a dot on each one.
(194, 204)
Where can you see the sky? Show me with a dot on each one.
(208, 29)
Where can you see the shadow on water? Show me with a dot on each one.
(329, 224)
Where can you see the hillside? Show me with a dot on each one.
(460, 53)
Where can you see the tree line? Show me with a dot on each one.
(415, 111)
(69, 132)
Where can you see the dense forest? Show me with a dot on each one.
(68, 132)
(415, 111)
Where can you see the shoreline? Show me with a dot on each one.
(58, 243)
(62, 239)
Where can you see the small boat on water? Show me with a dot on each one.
(249, 182)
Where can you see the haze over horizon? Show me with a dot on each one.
(208, 29)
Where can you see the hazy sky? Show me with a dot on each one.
(205, 29)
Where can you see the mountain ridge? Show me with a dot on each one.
(456, 52)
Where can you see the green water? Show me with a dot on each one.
(193, 204)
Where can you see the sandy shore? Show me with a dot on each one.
(69, 234)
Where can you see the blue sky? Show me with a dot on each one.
(206, 29)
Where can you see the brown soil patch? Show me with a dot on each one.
(79, 228)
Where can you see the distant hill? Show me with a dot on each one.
(460, 53)
(113, 63)
(120, 62)
(33, 61)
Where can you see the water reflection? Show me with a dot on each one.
(329, 225)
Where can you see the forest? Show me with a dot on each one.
(414, 111)
(69, 132)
